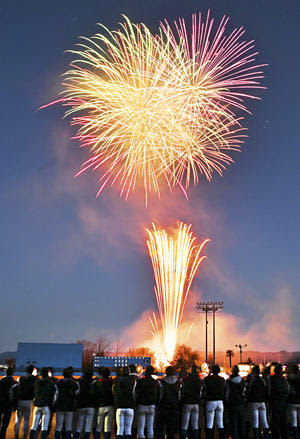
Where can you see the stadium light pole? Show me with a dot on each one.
(210, 307)
(241, 350)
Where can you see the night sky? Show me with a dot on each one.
(73, 265)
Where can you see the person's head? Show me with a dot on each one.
(9, 371)
(44, 372)
(105, 372)
(277, 369)
(29, 369)
(266, 371)
(132, 368)
(125, 371)
(294, 368)
(88, 372)
(215, 369)
(194, 370)
(235, 370)
(149, 371)
(68, 372)
(255, 369)
(169, 371)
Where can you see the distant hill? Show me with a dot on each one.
(6, 356)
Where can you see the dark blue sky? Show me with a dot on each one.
(73, 265)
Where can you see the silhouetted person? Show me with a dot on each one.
(191, 388)
(7, 400)
(294, 399)
(213, 390)
(235, 404)
(168, 405)
(278, 389)
(25, 396)
(68, 390)
(104, 401)
(86, 405)
(45, 393)
(123, 388)
(146, 394)
(256, 396)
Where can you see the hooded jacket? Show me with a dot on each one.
(85, 397)
(45, 392)
(68, 390)
(101, 391)
(146, 391)
(255, 390)
(294, 382)
(234, 387)
(26, 387)
(170, 392)
(123, 390)
(213, 388)
(191, 388)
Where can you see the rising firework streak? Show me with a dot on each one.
(160, 109)
(175, 258)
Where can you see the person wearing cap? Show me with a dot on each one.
(255, 393)
(235, 403)
(123, 390)
(213, 391)
(8, 400)
(45, 393)
(146, 395)
(191, 387)
(102, 393)
(25, 396)
(168, 405)
(66, 403)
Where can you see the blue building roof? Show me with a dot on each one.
(56, 355)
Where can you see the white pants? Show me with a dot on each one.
(38, 414)
(23, 411)
(85, 419)
(124, 418)
(294, 412)
(214, 409)
(145, 417)
(62, 417)
(190, 412)
(258, 414)
(105, 417)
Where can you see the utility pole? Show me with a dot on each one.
(210, 307)
(229, 353)
(241, 350)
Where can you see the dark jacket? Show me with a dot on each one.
(123, 388)
(256, 389)
(191, 388)
(8, 388)
(101, 391)
(277, 388)
(294, 395)
(85, 397)
(234, 387)
(146, 391)
(170, 392)
(213, 388)
(26, 387)
(67, 395)
(44, 393)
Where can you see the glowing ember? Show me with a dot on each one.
(175, 259)
(155, 108)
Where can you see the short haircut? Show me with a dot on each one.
(106, 372)
(9, 371)
(68, 372)
(29, 369)
(44, 372)
(215, 369)
(255, 369)
(169, 371)
(278, 369)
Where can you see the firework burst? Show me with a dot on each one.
(175, 259)
(160, 108)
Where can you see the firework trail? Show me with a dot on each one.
(175, 259)
(160, 108)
